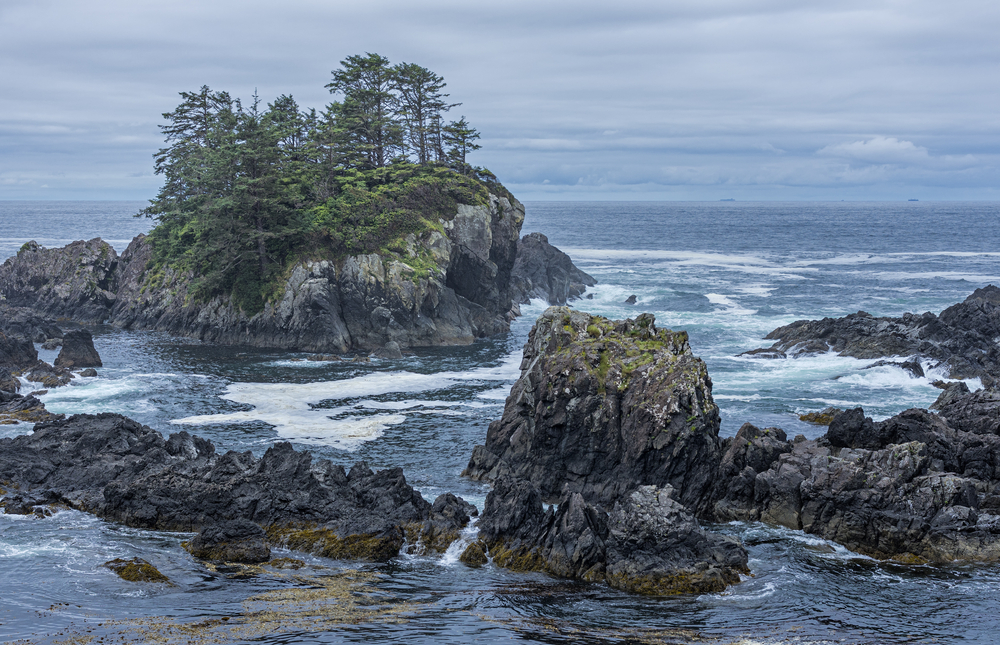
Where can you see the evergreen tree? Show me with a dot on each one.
(420, 104)
(367, 113)
(460, 137)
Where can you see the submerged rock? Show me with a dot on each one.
(543, 271)
(960, 339)
(136, 570)
(126, 472)
(78, 350)
(614, 423)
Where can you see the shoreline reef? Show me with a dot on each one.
(604, 466)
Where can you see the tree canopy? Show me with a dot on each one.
(250, 189)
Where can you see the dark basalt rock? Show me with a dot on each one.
(961, 338)
(16, 352)
(136, 570)
(77, 282)
(913, 367)
(15, 408)
(26, 323)
(391, 350)
(236, 540)
(126, 472)
(977, 412)
(602, 407)
(911, 488)
(612, 421)
(8, 382)
(78, 350)
(823, 418)
(631, 300)
(543, 271)
(48, 375)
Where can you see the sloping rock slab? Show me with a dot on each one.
(543, 271)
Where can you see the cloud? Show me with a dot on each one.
(879, 150)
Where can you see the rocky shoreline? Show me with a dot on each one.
(604, 465)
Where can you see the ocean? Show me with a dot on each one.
(728, 273)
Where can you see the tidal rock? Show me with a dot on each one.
(16, 352)
(123, 471)
(37, 503)
(49, 376)
(822, 418)
(27, 323)
(543, 271)
(751, 452)
(236, 540)
(977, 412)
(90, 372)
(631, 300)
(78, 350)
(910, 488)
(15, 408)
(604, 406)
(960, 339)
(390, 350)
(52, 343)
(614, 423)
(8, 382)
(136, 570)
(76, 282)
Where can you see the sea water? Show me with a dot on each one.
(728, 273)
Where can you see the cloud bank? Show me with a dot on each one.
(771, 99)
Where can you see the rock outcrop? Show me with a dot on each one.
(614, 423)
(962, 338)
(77, 281)
(78, 350)
(445, 286)
(15, 408)
(911, 488)
(543, 271)
(238, 540)
(126, 472)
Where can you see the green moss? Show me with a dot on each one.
(516, 559)
(136, 570)
(684, 582)
(326, 543)
(474, 554)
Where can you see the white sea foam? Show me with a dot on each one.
(729, 305)
(289, 407)
(468, 535)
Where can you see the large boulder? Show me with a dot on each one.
(961, 339)
(602, 407)
(238, 540)
(543, 271)
(78, 350)
(16, 352)
(126, 472)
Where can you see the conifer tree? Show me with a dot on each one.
(460, 137)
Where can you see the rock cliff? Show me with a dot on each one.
(962, 338)
(543, 271)
(448, 285)
(612, 422)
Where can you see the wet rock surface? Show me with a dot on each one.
(912, 488)
(613, 424)
(543, 271)
(78, 350)
(236, 540)
(15, 408)
(961, 338)
(123, 471)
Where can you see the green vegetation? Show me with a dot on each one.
(251, 189)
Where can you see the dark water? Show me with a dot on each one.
(727, 273)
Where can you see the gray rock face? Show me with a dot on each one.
(962, 338)
(126, 472)
(77, 281)
(911, 487)
(16, 352)
(446, 288)
(78, 350)
(614, 422)
(602, 407)
(236, 540)
(543, 271)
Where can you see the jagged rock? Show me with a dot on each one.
(37, 503)
(913, 367)
(960, 339)
(8, 382)
(48, 375)
(15, 408)
(90, 372)
(977, 412)
(750, 452)
(765, 352)
(236, 540)
(52, 343)
(26, 323)
(614, 422)
(602, 407)
(16, 352)
(543, 271)
(77, 281)
(631, 300)
(78, 350)
(910, 488)
(123, 471)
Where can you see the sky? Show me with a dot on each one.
(667, 100)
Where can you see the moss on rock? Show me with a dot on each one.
(136, 570)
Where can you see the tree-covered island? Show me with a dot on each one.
(251, 190)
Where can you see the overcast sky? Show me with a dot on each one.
(694, 100)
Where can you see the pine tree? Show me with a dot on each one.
(460, 137)
(367, 113)
(420, 104)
